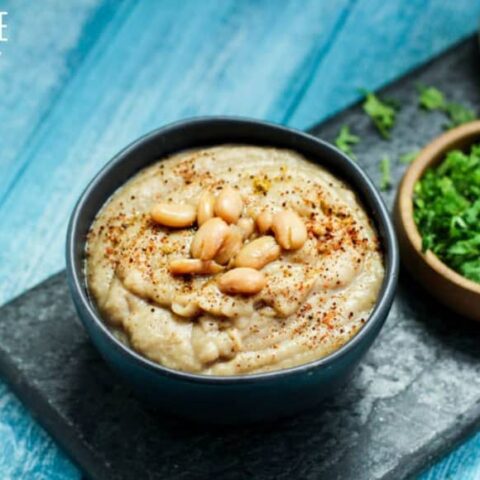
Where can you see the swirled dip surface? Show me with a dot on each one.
(315, 300)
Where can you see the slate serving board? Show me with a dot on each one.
(414, 396)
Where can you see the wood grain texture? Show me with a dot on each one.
(80, 79)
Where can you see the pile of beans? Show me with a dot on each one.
(223, 239)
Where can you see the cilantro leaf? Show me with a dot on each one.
(447, 211)
(471, 270)
(386, 179)
(345, 140)
(408, 157)
(382, 113)
(431, 98)
(458, 114)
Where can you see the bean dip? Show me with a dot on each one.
(234, 259)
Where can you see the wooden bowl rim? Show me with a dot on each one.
(430, 155)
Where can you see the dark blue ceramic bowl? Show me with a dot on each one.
(235, 399)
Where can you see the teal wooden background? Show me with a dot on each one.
(79, 79)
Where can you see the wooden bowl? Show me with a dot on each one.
(446, 285)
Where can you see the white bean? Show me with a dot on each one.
(193, 266)
(173, 214)
(247, 225)
(258, 253)
(289, 230)
(229, 205)
(264, 221)
(205, 206)
(231, 245)
(208, 239)
(245, 281)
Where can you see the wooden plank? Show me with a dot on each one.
(37, 60)
(462, 464)
(379, 41)
(26, 451)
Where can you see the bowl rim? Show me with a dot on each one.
(430, 155)
(375, 202)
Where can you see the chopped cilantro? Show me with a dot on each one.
(382, 113)
(458, 114)
(431, 98)
(407, 158)
(447, 211)
(386, 180)
(345, 140)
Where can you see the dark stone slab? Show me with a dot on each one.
(416, 393)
